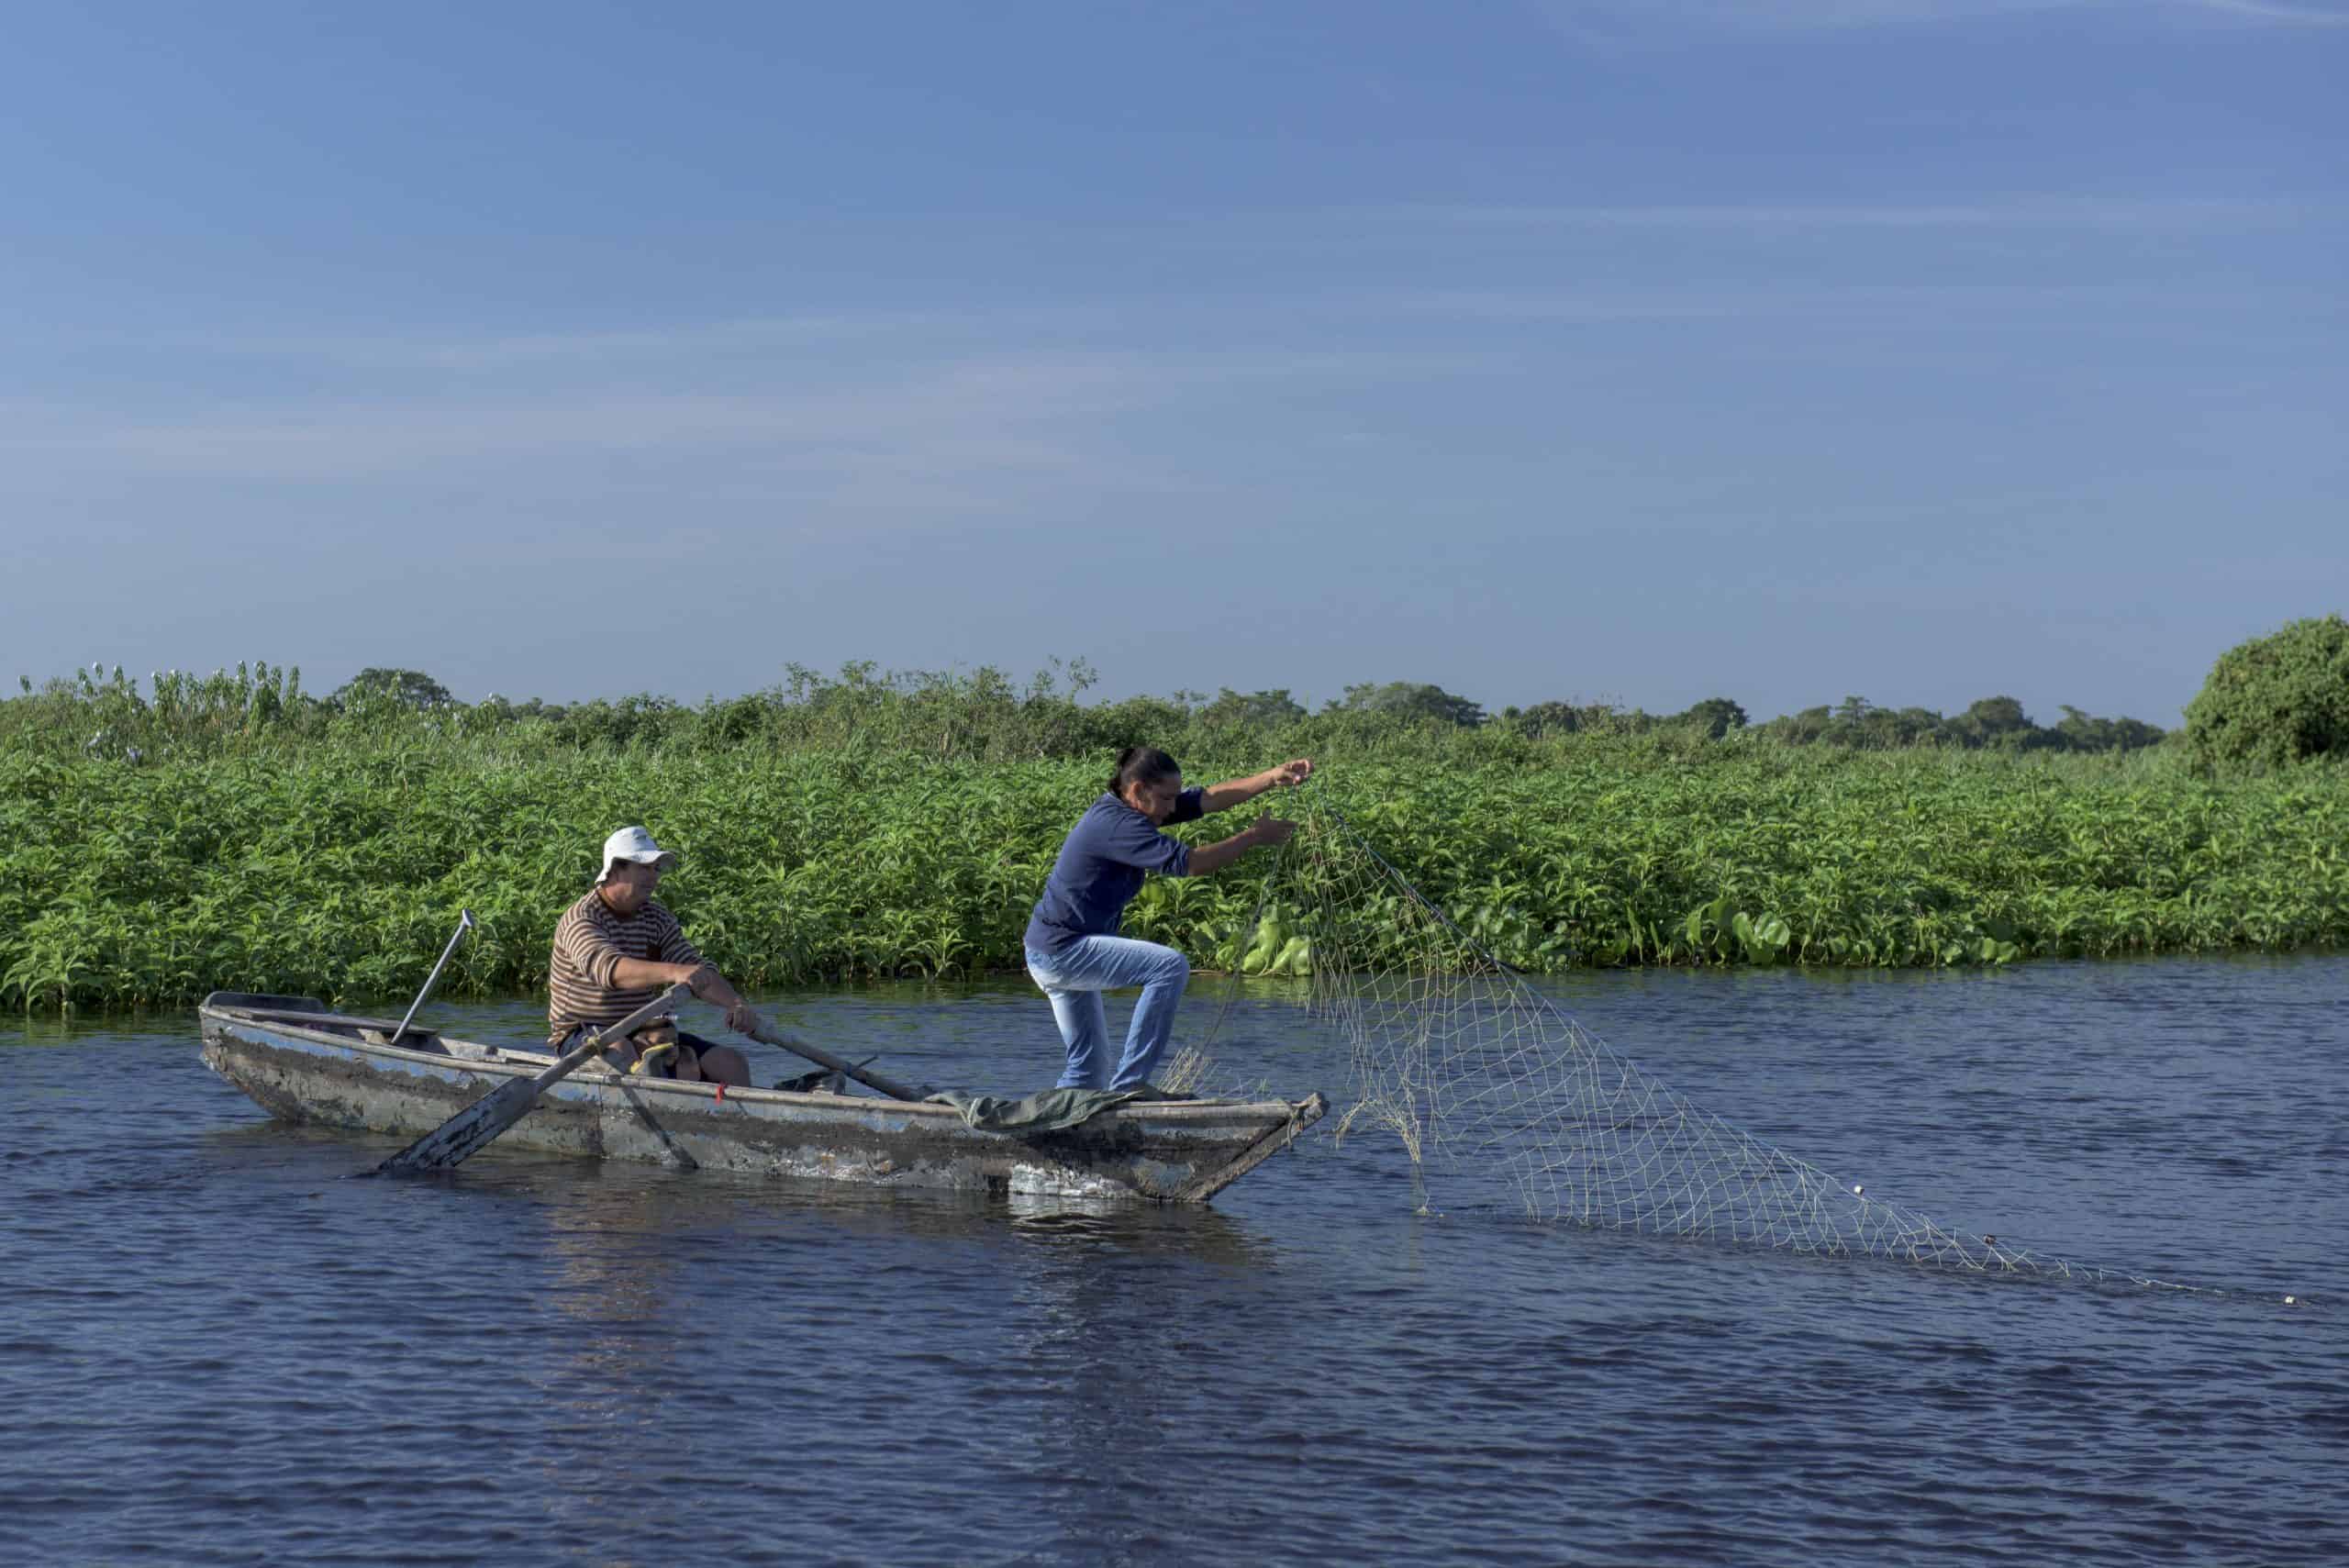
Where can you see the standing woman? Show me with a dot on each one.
(1073, 949)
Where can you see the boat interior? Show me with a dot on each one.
(309, 1013)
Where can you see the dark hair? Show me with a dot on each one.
(1142, 764)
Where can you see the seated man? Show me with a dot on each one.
(616, 949)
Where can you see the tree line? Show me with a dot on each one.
(1995, 723)
(2270, 701)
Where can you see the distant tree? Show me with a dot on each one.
(413, 687)
(2079, 731)
(1917, 726)
(1545, 720)
(2275, 699)
(1993, 721)
(1714, 716)
(1855, 721)
(1878, 730)
(1404, 699)
(1802, 728)
(1251, 710)
(2083, 731)
(1997, 716)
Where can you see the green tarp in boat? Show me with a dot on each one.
(1050, 1110)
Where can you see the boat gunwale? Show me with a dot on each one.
(510, 1063)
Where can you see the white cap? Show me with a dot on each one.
(634, 844)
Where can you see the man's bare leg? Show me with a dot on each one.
(724, 1064)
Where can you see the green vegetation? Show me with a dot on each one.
(1994, 724)
(233, 831)
(2275, 700)
(338, 868)
(260, 710)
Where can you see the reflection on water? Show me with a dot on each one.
(1086, 1320)
(217, 1348)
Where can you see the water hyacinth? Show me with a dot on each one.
(335, 867)
(233, 830)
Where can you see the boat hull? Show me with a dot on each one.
(330, 1070)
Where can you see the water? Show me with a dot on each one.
(215, 1350)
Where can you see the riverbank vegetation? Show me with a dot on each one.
(234, 830)
(233, 833)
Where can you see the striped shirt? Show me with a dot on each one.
(589, 943)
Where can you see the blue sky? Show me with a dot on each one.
(1921, 349)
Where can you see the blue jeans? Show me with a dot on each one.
(1074, 978)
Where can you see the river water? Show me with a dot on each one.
(216, 1349)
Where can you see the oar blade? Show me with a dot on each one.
(453, 1140)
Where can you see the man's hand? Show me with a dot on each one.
(710, 986)
(1294, 774)
(1271, 829)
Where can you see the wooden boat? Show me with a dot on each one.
(304, 1063)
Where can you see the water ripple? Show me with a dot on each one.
(215, 1350)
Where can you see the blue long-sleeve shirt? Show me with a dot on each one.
(1101, 866)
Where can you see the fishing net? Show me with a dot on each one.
(1501, 1100)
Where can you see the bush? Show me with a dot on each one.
(2274, 700)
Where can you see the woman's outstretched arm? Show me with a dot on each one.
(1234, 792)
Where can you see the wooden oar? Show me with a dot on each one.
(823, 1058)
(462, 1134)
